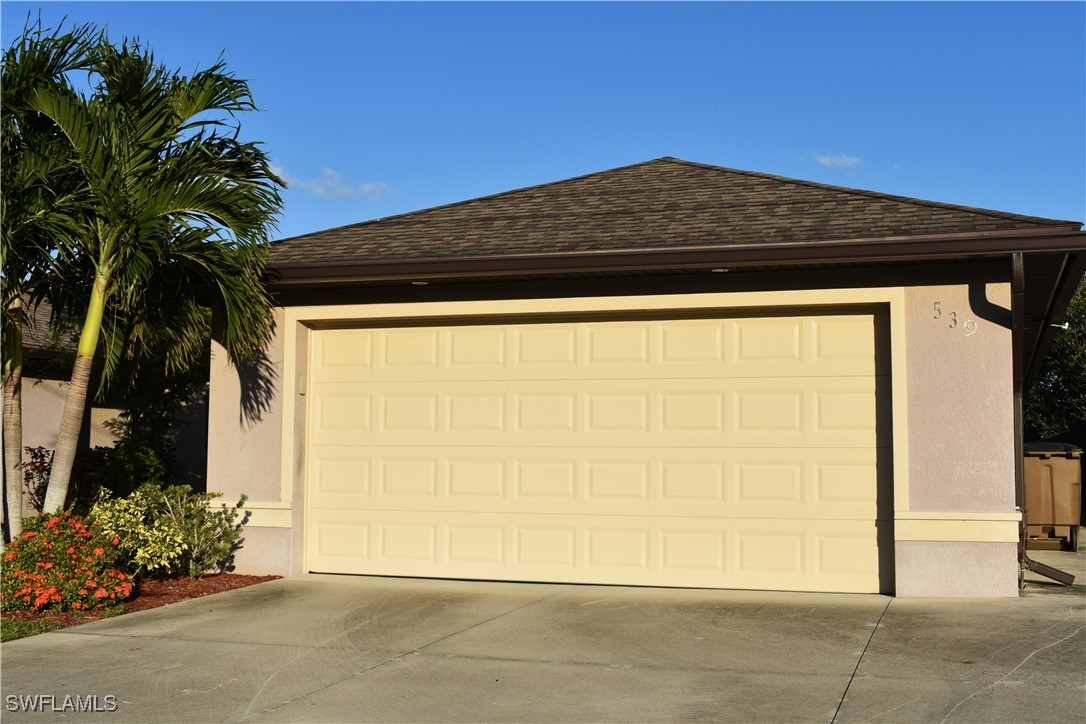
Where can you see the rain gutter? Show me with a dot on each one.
(1062, 239)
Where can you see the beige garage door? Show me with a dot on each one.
(731, 453)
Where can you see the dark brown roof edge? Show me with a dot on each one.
(898, 248)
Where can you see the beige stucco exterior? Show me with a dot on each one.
(43, 403)
(245, 428)
(950, 430)
(961, 420)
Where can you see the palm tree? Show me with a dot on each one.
(41, 206)
(173, 193)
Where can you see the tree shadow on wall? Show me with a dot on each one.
(259, 381)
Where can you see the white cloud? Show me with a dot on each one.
(331, 185)
(838, 160)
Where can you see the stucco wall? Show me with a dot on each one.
(957, 569)
(245, 423)
(264, 551)
(245, 413)
(961, 442)
(960, 397)
(43, 403)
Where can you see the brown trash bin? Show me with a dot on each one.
(1053, 495)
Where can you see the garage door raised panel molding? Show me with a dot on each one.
(731, 452)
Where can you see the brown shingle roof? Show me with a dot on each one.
(665, 203)
(38, 334)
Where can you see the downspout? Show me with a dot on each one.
(1018, 292)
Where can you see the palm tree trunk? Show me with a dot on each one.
(13, 423)
(71, 420)
(13, 451)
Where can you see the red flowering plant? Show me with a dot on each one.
(61, 563)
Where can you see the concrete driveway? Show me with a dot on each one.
(333, 648)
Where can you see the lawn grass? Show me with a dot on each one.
(11, 630)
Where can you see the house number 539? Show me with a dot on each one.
(969, 325)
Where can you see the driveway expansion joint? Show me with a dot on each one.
(859, 660)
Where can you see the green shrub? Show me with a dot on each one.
(150, 543)
(173, 530)
(61, 563)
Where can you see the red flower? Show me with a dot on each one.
(101, 593)
(9, 556)
(99, 551)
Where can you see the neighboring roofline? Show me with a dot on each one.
(1068, 238)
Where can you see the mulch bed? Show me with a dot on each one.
(150, 594)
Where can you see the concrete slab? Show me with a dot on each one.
(968, 660)
(933, 700)
(330, 611)
(426, 688)
(712, 630)
(331, 648)
(162, 680)
(968, 639)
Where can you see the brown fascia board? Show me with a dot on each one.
(965, 245)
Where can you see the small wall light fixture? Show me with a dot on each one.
(719, 270)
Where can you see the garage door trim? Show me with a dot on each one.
(300, 320)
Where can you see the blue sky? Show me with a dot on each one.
(374, 109)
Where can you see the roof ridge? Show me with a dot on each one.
(873, 194)
(924, 203)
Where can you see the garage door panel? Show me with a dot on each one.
(777, 346)
(827, 412)
(758, 483)
(737, 452)
(701, 552)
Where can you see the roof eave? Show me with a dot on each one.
(947, 246)
(1074, 267)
